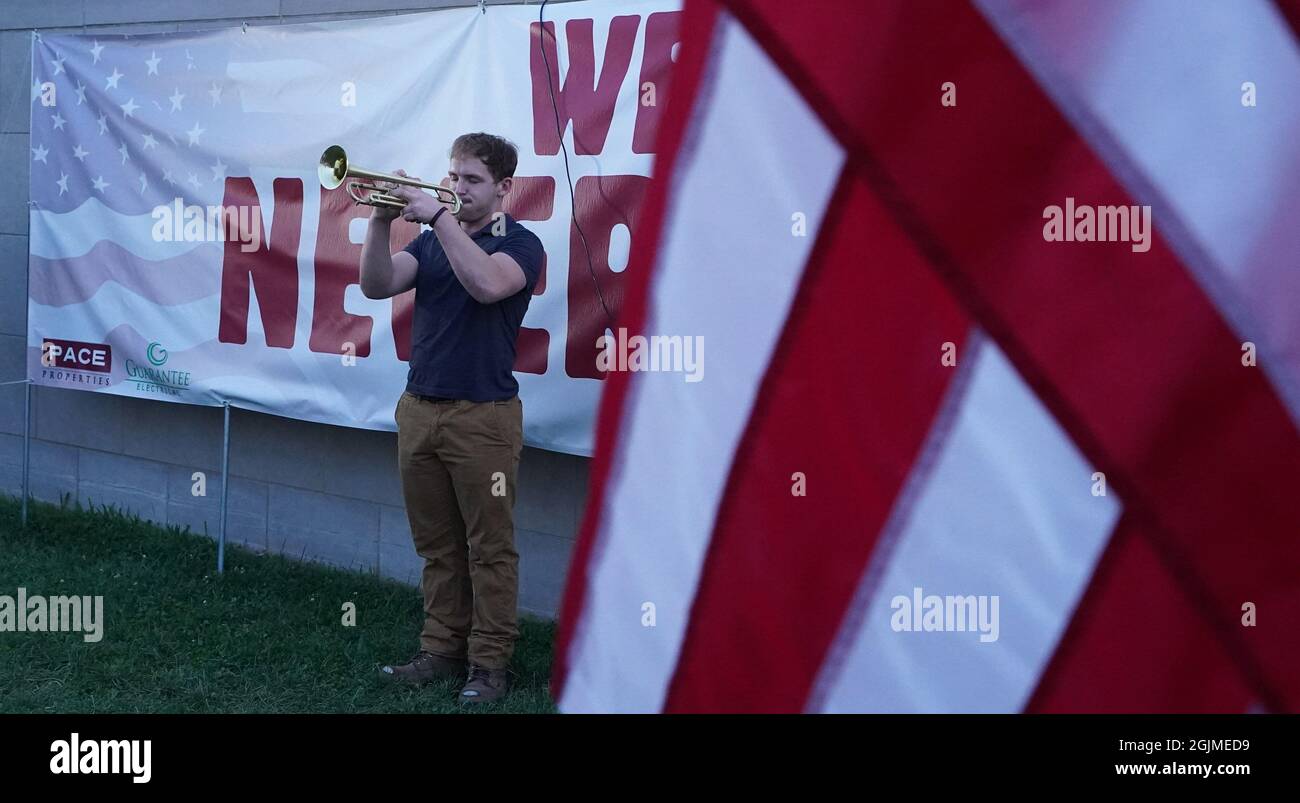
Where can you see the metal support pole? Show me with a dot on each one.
(27, 445)
(225, 490)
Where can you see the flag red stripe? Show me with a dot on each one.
(698, 21)
(1290, 11)
(849, 396)
(1124, 348)
(1110, 661)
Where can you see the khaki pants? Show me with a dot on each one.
(458, 461)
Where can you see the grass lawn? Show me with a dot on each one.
(266, 637)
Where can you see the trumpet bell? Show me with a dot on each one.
(333, 167)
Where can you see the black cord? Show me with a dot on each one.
(559, 132)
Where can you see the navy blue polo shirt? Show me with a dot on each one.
(461, 349)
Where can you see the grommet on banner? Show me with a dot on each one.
(482, 6)
(244, 27)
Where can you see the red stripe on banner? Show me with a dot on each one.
(698, 19)
(1124, 348)
(849, 396)
(1109, 661)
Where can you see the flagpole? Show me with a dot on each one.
(27, 443)
(225, 489)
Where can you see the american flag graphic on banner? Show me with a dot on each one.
(127, 135)
(1000, 301)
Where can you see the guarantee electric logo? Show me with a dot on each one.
(153, 378)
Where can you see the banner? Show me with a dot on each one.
(182, 248)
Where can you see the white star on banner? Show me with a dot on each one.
(113, 79)
(122, 150)
(143, 183)
(58, 121)
(219, 170)
(195, 181)
(80, 153)
(150, 142)
(100, 183)
(103, 123)
(81, 93)
(63, 184)
(167, 177)
(96, 50)
(153, 64)
(215, 92)
(58, 63)
(129, 107)
(176, 99)
(194, 133)
(39, 153)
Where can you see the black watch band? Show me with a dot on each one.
(434, 219)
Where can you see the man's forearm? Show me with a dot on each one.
(376, 262)
(478, 272)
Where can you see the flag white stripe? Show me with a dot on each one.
(183, 323)
(1007, 510)
(752, 134)
(63, 235)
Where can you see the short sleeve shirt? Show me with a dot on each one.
(460, 348)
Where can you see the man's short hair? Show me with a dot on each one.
(498, 154)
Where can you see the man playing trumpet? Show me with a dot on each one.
(460, 420)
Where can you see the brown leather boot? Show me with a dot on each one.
(425, 667)
(485, 685)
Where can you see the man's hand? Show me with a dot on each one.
(420, 205)
(387, 213)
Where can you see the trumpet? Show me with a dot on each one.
(334, 170)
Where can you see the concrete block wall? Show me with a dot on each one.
(311, 491)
